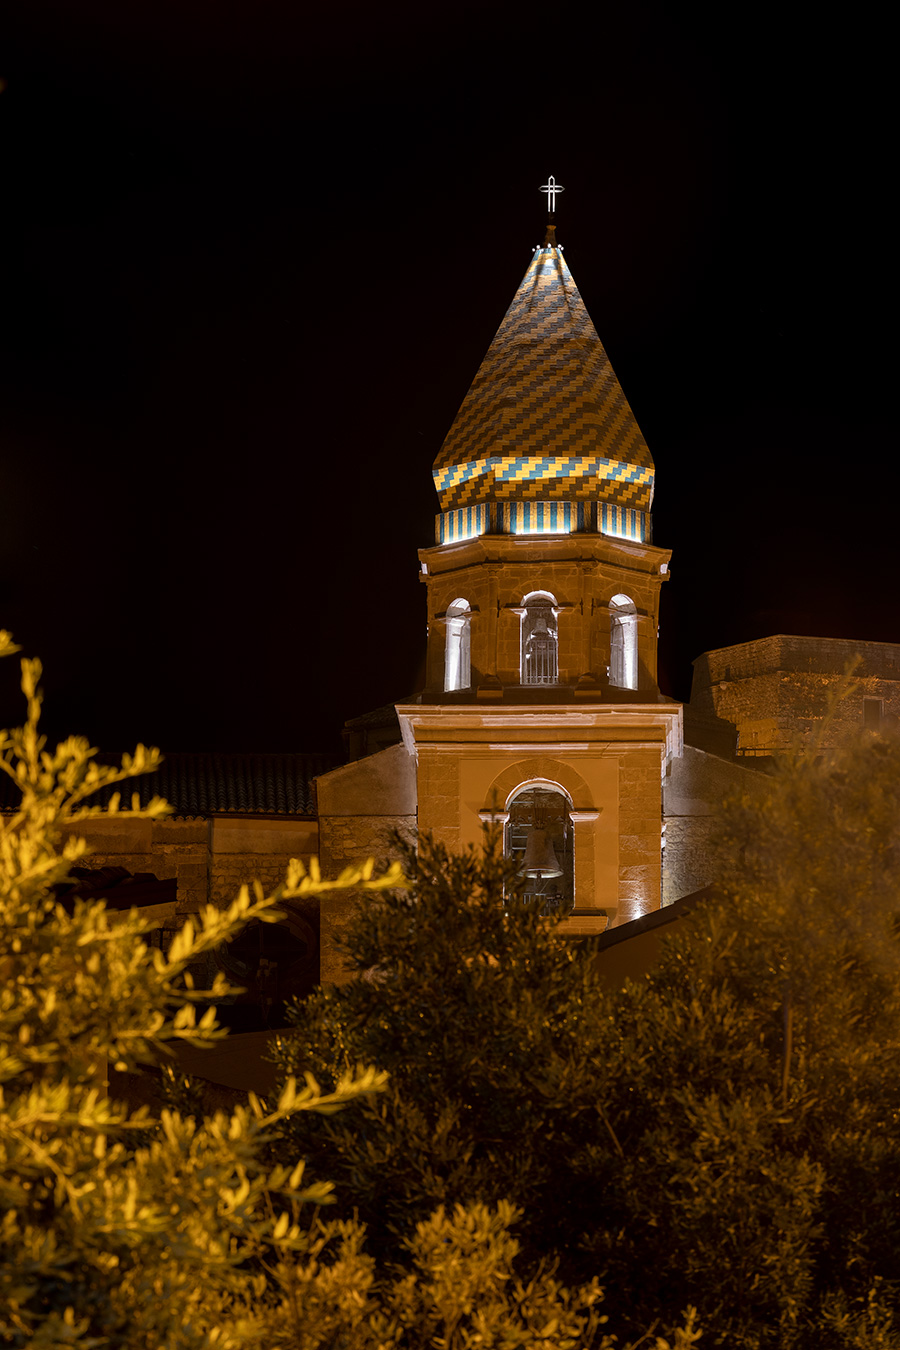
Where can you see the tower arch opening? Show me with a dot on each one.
(540, 649)
(539, 836)
(623, 663)
(457, 651)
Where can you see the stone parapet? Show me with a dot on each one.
(777, 692)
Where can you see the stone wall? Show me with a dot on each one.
(209, 859)
(168, 849)
(640, 829)
(244, 848)
(693, 793)
(778, 691)
(360, 805)
(583, 572)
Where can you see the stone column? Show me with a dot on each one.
(588, 915)
(495, 819)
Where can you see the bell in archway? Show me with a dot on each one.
(540, 858)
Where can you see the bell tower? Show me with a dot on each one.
(541, 710)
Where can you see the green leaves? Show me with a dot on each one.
(735, 1113)
(476, 1007)
(721, 1134)
(119, 1230)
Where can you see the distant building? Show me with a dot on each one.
(751, 702)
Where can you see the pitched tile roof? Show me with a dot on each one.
(214, 783)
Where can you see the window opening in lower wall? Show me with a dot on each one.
(873, 711)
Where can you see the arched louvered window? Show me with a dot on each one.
(539, 837)
(457, 660)
(540, 659)
(623, 664)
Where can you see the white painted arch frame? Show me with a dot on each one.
(457, 646)
(623, 642)
(522, 611)
(583, 841)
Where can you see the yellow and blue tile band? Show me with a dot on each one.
(542, 517)
(452, 526)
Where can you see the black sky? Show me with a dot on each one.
(252, 255)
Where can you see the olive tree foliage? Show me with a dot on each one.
(103, 1243)
(484, 1017)
(457, 1289)
(128, 1231)
(723, 1133)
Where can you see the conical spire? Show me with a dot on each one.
(545, 431)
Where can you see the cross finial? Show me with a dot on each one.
(551, 187)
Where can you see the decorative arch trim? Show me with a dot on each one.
(549, 783)
(551, 772)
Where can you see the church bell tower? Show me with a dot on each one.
(541, 711)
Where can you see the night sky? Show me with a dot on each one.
(252, 255)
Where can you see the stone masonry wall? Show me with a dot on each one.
(210, 859)
(250, 848)
(359, 805)
(693, 793)
(639, 835)
(168, 849)
(687, 861)
(778, 690)
(582, 588)
(345, 840)
(229, 872)
(439, 804)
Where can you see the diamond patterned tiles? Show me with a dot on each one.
(545, 416)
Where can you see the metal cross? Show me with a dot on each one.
(551, 187)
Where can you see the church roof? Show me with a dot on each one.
(215, 784)
(545, 416)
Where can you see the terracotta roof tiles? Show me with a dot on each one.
(215, 783)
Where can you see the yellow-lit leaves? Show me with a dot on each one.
(81, 991)
(300, 881)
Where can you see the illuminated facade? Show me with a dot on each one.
(541, 712)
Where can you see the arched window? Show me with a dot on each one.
(457, 662)
(540, 661)
(623, 666)
(539, 837)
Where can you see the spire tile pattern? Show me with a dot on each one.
(545, 418)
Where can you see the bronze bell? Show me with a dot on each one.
(540, 858)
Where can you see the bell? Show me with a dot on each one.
(540, 859)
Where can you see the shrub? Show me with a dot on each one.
(721, 1133)
(101, 1242)
(194, 1231)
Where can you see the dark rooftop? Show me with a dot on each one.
(213, 784)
